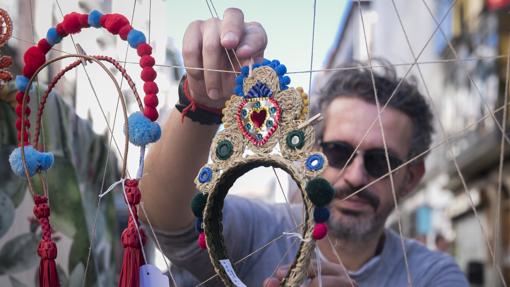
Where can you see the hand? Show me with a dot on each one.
(204, 46)
(332, 275)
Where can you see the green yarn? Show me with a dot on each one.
(224, 149)
(320, 191)
(198, 204)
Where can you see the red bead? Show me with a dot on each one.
(71, 23)
(148, 74)
(43, 45)
(19, 98)
(114, 22)
(144, 49)
(25, 136)
(29, 70)
(147, 61)
(151, 100)
(150, 88)
(34, 56)
(18, 110)
(201, 240)
(124, 31)
(319, 231)
(18, 124)
(151, 113)
(84, 20)
(60, 30)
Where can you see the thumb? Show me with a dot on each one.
(271, 282)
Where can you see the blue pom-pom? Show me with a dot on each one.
(239, 80)
(46, 160)
(265, 62)
(21, 83)
(285, 80)
(275, 62)
(245, 70)
(281, 70)
(95, 19)
(320, 214)
(142, 130)
(32, 157)
(135, 38)
(53, 37)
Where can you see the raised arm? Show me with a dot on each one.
(173, 162)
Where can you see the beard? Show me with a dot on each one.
(350, 225)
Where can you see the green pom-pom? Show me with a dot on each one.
(198, 204)
(320, 191)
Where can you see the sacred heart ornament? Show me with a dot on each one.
(258, 119)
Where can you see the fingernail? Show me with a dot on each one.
(213, 94)
(245, 49)
(230, 37)
(281, 272)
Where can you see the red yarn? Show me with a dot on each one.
(133, 257)
(114, 22)
(60, 30)
(151, 100)
(147, 61)
(151, 113)
(148, 74)
(18, 124)
(19, 97)
(84, 20)
(18, 110)
(150, 88)
(34, 56)
(319, 231)
(71, 23)
(124, 31)
(201, 240)
(26, 134)
(29, 69)
(43, 45)
(144, 49)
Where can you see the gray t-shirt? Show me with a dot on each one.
(250, 225)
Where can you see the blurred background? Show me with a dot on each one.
(455, 50)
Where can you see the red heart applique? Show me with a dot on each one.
(258, 118)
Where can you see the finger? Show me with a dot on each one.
(232, 28)
(331, 281)
(254, 41)
(327, 268)
(282, 272)
(212, 56)
(192, 50)
(271, 282)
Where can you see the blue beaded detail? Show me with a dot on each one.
(315, 162)
(259, 90)
(269, 123)
(244, 113)
(205, 175)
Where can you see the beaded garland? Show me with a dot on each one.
(141, 129)
(264, 113)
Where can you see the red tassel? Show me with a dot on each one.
(47, 250)
(133, 256)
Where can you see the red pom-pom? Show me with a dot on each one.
(18, 124)
(151, 100)
(319, 231)
(201, 241)
(43, 45)
(144, 49)
(26, 134)
(71, 23)
(147, 61)
(114, 22)
(35, 56)
(29, 70)
(124, 31)
(151, 113)
(150, 88)
(148, 74)
(19, 97)
(84, 20)
(60, 30)
(103, 19)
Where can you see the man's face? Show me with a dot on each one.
(364, 214)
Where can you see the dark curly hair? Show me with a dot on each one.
(356, 81)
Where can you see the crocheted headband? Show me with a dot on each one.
(265, 125)
(28, 160)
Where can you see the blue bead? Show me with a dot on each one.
(52, 36)
(205, 175)
(320, 214)
(269, 123)
(314, 162)
(257, 105)
(248, 126)
(21, 83)
(273, 110)
(135, 38)
(259, 136)
(94, 19)
(244, 113)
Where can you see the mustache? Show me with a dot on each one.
(365, 194)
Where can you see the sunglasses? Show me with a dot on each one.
(339, 152)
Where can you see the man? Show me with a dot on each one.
(372, 255)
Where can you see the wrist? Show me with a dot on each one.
(191, 109)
